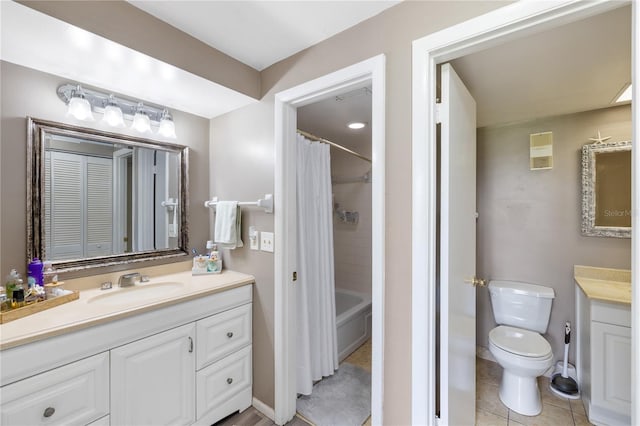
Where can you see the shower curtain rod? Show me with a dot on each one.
(323, 140)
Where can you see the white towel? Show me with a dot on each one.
(228, 224)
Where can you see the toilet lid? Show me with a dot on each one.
(520, 341)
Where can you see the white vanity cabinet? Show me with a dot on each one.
(77, 393)
(186, 363)
(604, 359)
(152, 379)
(224, 376)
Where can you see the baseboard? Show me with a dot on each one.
(264, 409)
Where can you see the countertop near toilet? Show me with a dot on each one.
(608, 285)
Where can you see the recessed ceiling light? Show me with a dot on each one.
(624, 95)
(356, 125)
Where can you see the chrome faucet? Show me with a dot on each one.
(129, 280)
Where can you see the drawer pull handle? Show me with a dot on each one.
(49, 411)
(230, 335)
(190, 344)
(229, 380)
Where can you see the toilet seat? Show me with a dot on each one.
(520, 342)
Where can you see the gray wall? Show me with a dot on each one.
(529, 224)
(242, 166)
(27, 92)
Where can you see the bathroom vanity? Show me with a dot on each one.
(175, 350)
(603, 310)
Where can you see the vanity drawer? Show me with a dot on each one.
(611, 313)
(222, 334)
(219, 383)
(74, 394)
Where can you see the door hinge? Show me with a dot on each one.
(295, 276)
(438, 112)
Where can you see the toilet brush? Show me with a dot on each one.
(561, 383)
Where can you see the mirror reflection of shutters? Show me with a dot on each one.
(67, 212)
(80, 205)
(99, 206)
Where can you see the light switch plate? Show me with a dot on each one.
(266, 241)
(254, 240)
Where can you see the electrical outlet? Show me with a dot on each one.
(266, 241)
(254, 241)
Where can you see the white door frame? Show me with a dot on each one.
(371, 71)
(479, 33)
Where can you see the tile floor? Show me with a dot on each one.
(490, 411)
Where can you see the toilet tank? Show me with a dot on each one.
(521, 305)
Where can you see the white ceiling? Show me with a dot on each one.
(78, 55)
(329, 118)
(577, 67)
(261, 33)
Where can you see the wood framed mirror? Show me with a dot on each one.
(606, 189)
(97, 199)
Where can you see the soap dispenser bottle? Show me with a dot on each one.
(13, 282)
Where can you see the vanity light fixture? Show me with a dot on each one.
(356, 125)
(82, 103)
(113, 114)
(167, 126)
(79, 106)
(141, 121)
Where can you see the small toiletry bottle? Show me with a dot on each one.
(35, 269)
(18, 298)
(49, 275)
(3, 298)
(215, 254)
(210, 246)
(12, 283)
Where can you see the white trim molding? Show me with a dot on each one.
(635, 218)
(368, 72)
(513, 20)
(263, 408)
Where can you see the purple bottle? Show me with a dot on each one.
(35, 269)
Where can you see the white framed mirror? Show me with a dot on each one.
(96, 198)
(606, 189)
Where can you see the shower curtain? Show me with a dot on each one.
(317, 348)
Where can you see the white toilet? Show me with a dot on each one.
(522, 312)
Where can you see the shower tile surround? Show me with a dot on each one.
(490, 411)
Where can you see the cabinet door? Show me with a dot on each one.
(74, 394)
(153, 380)
(611, 366)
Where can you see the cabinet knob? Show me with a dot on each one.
(230, 335)
(229, 380)
(49, 411)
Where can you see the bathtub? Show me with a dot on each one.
(353, 320)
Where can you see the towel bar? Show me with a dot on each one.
(266, 203)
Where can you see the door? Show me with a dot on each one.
(153, 379)
(457, 251)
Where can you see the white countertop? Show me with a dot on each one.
(86, 312)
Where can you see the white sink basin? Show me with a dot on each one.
(137, 293)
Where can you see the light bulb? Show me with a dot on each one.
(80, 108)
(356, 125)
(167, 126)
(113, 115)
(141, 121)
